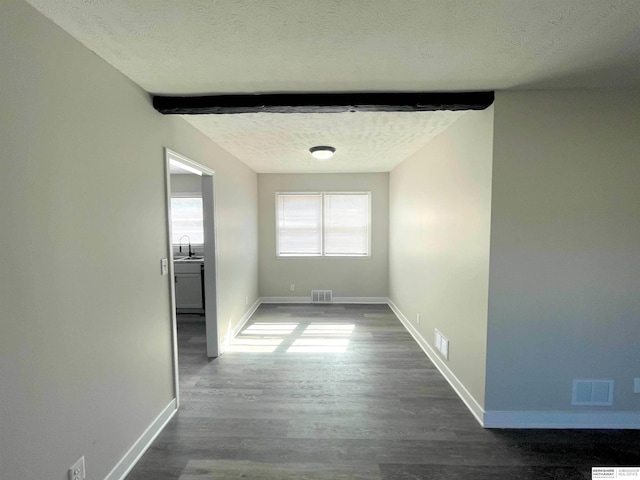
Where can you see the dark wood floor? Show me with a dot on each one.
(343, 392)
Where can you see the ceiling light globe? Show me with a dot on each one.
(322, 152)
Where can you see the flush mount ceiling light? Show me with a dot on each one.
(322, 152)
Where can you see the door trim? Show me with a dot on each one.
(210, 258)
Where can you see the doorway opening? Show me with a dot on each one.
(199, 254)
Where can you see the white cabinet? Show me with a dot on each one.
(188, 278)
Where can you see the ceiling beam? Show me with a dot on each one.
(322, 102)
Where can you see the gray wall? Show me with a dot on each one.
(439, 242)
(85, 333)
(565, 248)
(347, 277)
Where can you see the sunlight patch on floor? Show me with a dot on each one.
(270, 329)
(290, 337)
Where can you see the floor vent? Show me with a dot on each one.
(592, 392)
(321, 296)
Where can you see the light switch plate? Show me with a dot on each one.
(164, 266)
(636, 385)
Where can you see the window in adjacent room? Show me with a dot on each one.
(323, 224)
(186, 219)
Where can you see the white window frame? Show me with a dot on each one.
(322, 253)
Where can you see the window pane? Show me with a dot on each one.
(346, 219)
(186, 219)
(299, 225)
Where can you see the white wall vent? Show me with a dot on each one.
(321, 296)
(592, 392)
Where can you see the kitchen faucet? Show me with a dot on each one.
(180, 247)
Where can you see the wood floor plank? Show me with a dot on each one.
(248, 470)
(343, 392)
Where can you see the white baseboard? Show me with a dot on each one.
(354, 300)
(590, 420)
(361, 300)
(126, 463)
(285, 299)
(233, 332)
(464, 394)
(245, 318)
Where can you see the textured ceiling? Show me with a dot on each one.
(206, 46)
(248, 46)
(364, 141)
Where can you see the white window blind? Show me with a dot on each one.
(299, 224)
(316, 224)
(186, 219)
(346, 228)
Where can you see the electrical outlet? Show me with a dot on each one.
(292, 288)
(444, 348)
(441, 344)
(418, 318)
(76, 472)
